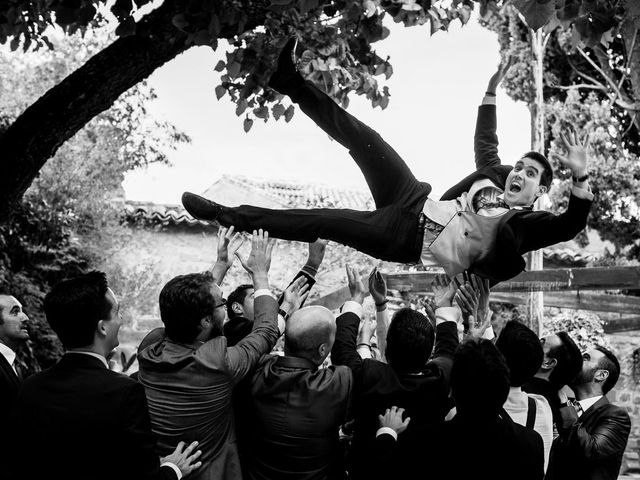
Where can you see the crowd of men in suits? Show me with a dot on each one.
(445, 394)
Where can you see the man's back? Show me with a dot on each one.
(79, 420)
(293, 413)
(500, 450)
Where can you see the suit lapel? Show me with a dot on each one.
(593, 409)
(8, 372)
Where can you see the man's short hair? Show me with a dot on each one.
(3, 293)
(409, 341)
(237, 296)
(479, 380)
(609, 363)
(568, 361)
(547, 169)
(522, 351)
(74, 307)
(184, 301)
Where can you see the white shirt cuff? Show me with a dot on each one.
(282, 324)
(262, 291)
(489, 100)
(353, 307)
(489, 334)
(582, 193)
(390, 431)
(174, 467)
(364, 352)
(447, 314)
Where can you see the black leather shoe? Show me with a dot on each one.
(286, 78)
(201, 208)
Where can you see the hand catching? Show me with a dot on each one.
(377, 286)
(183, 458)
(356, 287)
(392, 419)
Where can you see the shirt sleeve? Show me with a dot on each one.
(582, 193)
(173, 467)
(489, 100)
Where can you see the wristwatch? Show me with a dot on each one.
(580, 179)
(284, 314)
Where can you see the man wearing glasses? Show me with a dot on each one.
(593, 432)
(188, 370)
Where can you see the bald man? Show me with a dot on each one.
(294, 408)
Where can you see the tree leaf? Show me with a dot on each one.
(261, 112)
(220, 91)
(288, 113)
(220, 66)
(277, 110)
(536, 13)
(247, 124)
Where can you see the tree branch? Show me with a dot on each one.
(43, 127)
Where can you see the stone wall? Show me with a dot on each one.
(627, 392)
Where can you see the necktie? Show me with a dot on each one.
(578, 407)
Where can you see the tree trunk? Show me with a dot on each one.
(36, 135)
(535, 302)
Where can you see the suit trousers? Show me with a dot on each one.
(390, 232)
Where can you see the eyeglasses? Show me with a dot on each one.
(221, 304)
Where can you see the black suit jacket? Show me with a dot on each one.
(377, 386)
(9, 386)
(590, 447)
(518, 231)
(78, 421)
(292, 412)
(496, 450)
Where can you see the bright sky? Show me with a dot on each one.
(435, 89)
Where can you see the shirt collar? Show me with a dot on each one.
(91, 354)
(7, 353)
(588, 402)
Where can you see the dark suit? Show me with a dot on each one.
(496, 450)
(79, 420)
(189, 389)
(9, 386)
(293, 412)
(391, 232)
(377, 386)
(590, 447)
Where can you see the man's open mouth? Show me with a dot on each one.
(515, 187)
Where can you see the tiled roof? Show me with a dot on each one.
(157, 214)
(299, 195)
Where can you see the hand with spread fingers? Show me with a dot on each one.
(259, 260)
(184, 458)
(295, 295)
(229, 242)
(443, 290)
(392, 419)
(576, 157)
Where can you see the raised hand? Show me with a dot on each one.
(316, 253)
(392, 419)
(467, 299)
(228, 244)
(497, 77)
(576, 158)
(366, 330)
(377, 287)
(184, 458)
(295, 295)
(443, 290)
(356, 287)
(259, 260)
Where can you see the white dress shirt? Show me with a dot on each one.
(10, 355)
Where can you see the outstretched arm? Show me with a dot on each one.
(485, 140)
(563, 227)
(310, 268)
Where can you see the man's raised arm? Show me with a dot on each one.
(485, 140)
